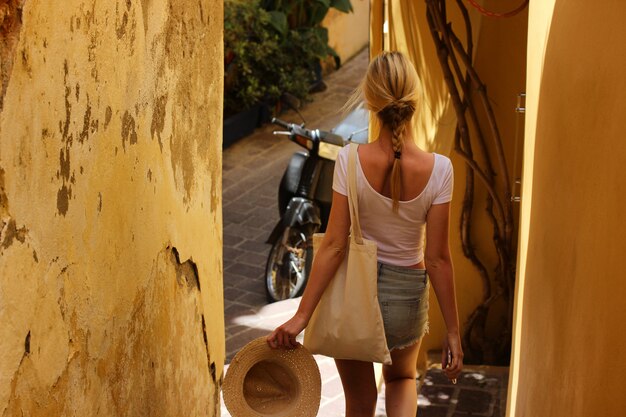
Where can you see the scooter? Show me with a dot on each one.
(304, 199)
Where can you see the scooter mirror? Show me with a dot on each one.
(290, 101)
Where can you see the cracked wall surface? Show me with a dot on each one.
(110, 208)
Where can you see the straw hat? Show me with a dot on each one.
(262, 381)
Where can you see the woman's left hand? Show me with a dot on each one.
(452, 356)
(284, 336)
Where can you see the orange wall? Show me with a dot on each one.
(570, 307)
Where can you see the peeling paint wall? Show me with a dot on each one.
(110, 208)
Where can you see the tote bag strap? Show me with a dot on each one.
(353, 199)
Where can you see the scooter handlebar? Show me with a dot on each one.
(314, 135)
(281, 123)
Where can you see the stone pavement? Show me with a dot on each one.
(252, 169)
(480, 391)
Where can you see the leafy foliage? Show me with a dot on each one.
(273, 47)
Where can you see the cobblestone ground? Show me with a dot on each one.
(480, 391)
(252, 169)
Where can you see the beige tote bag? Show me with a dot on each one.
(347, 323)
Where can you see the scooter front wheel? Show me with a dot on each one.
(288, 265)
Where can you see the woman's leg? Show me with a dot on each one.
(359, 387)
(400, 384)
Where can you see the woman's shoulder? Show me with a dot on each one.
(442, 171)
(341, 161)
(442, 162)
(342, 155)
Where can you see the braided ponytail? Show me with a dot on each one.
(396, 116)
(390, 89)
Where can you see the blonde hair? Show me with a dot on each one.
(390, 90)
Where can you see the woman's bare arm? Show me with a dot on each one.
(440, 271)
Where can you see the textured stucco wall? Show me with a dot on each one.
(569, 338)
(110, 208)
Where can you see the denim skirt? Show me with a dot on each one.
(403, 298)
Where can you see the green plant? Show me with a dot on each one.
(272, 47)
(300, 21)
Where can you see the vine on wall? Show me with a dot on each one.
(481, 148)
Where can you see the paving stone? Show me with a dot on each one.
(474, 402)
(241, 231)
(479, 379)
(235, 217)
(231, 294)
(227, 182)
(334, 408)
(254, 259)
(231, 254)
(234, 329)
(255, 246)
(261, 222)
(435, 377)
(253, 299)
(239, 206)
(246, 283)
(331, 386)
(327, 365)
(235, 343)
(436, 394)
(232, 240)
(268, 201)
(432, 410)
(246, 271)
(235, 310)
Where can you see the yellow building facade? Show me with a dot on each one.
(568, 336)
(110, 208)
(348, 33)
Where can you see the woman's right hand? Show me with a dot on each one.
(284, 336)
(452, 356)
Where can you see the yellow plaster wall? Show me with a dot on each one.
(110, 208)
(348, 33)
(570, 306)
(539, 18)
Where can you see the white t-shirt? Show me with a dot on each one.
(400, 236)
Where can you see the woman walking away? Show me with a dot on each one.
(404, 198)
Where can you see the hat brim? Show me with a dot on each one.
(296, 366)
